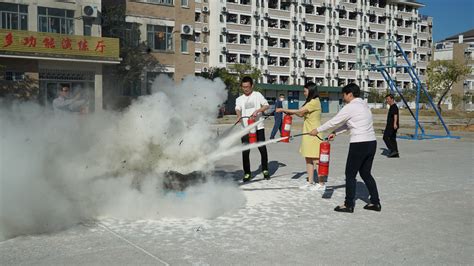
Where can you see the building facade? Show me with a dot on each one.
(167, 28)
(48, 44)
(459, 48)
(297, 41)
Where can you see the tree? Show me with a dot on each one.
(24, 90)
(442, 74)
(232, 76)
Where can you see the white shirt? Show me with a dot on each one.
(356, 117)
(247, 105)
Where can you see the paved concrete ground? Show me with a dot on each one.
(427, 218)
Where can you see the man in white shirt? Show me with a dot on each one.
(356, 117)
(252, 104)
(65, 103)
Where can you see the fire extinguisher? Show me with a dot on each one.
(253, 131)
(286, 128)
(324, 152)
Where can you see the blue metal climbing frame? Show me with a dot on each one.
(370, 59)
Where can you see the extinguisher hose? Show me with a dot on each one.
(302, 134)
(264, 117)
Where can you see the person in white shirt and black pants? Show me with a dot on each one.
(252, 104)
(356, 117)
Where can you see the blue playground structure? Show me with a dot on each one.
(370, 59)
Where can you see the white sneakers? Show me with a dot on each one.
(313, 187)
(318, 187)
(307, 186)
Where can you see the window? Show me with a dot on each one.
(55, 20)
(197, 17)
(160, 37)
(87, 26)
(13, 17)
(184, 3)
(184, 46)
(197, 57)
(163, 2)
(14, 76)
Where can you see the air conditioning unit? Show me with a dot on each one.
(303, 74)
(303, 38)
(266, 35)
(205, 9)
(303, 20)
(224, 30)
(293, 73)
(224, 50)
(224, 9)
(337, 58)
(256, 14)
(256, 33)
(303, 56)
(266, 16)
(186, 29)
(266, 53)
(205, 29)
(293, 55)
(205, 50)
(295, 18)
(328, 75)
(265, 72)
(255, 52)
(89, 11)
(205, 69)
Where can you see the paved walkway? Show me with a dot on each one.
(427, 218)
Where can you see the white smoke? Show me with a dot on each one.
(59, 169)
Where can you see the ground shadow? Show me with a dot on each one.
(237, 175)
(361, 191)
(385, 151)
(298, 175)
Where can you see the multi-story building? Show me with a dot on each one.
(297, 41)
(459, 48)
(167, 27)
(47, 44)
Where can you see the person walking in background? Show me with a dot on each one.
(277, 116)
(309, 149)
(356, 117)
(252, 104)
(390, 133)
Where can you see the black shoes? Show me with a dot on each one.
(266, 175)
(394, 154)
(344, 208)
(373, 207)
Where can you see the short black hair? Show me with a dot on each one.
(389, 95)
(246, 79)
(281, 94)
(351, 88)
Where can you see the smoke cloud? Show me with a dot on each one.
(57, 170)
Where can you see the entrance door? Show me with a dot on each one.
(325, 105)
(293, 99)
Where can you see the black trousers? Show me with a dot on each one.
(359, 160)
(390, 139)
(262, 149)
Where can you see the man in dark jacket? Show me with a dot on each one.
(390, 133)
(278, 116)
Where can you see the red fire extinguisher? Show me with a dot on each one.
(286, 128)
(253, 132)
(324, 152)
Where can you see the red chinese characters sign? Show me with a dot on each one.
(51, 43)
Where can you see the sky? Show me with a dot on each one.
(450, 17)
